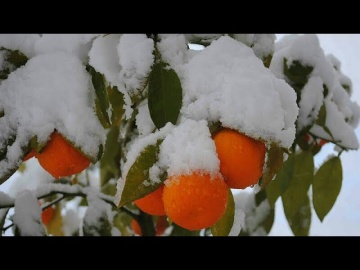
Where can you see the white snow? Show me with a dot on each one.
(27, 217)
(227, 82)
(25, 43)
(5, 199)
(187, 148)
(311, 100)
(143, 119)
(136, 58)
(76, 44)
(52, 91)
(342, 113)
(239, 222)
(262, 44)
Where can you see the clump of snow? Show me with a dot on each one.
(342, 114)
(77, 44)
(311, 100)
(187, 148)
(255, 215)
(33, 177)
(202, 38)
(52, 91)
(98, 216)
(125, 61)
(136, 58)
(25, 43)
(262, 44)
(5, 199)
(239, 222)
(27, 217)
(71, 222)
(226, 82)
(143, 120)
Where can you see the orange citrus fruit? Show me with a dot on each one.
(160, 227)
(31, 154)
(47, 215)
(152, 203)
(241, 158)
(195, 201)
(60, 158)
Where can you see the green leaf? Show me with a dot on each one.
(116, 99)
(296, 72)
(101, 101)
(279, 185)
(273, 164)
(12, 59)
(224, 225)
(135, 185)
(327, 186)
(300, 222)
(297, 190)
(321, 119)
(180, 231)
(110, 161)
(165, 95)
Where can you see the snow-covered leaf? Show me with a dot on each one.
(327, 186)
(224, 225)
(136, 183)
(27, 217)
(301, 179)
(98, 217)
(10, 60)
(165, 95)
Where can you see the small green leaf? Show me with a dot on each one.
(300, 222)
(321, 119)
(297, 73)
(110, 161)
(267, 60)
(224, 225)
(135, 185)
(165, 95)
(101, 101)
(327, 186)
(279, 185)
(12, 59)
(116, 99)
(273, 164)
(297, 190)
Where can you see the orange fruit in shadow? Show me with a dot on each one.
(241, 158)
(60, 158)
(152, 203)
(195, 201)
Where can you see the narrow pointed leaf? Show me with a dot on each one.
(327, 186)
(224, 225)
(165, 95)
(300, 222)
(273, 164)
(279, 185)
(136, 183)
(296, 193)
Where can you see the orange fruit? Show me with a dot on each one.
(135, 227)
(152, 203)
(60, 158)
(195, 201)
(47, 215)
(31, 154)
(161, 225)
(241, 158)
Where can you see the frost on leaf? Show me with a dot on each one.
(51, 91)
(27, 217)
